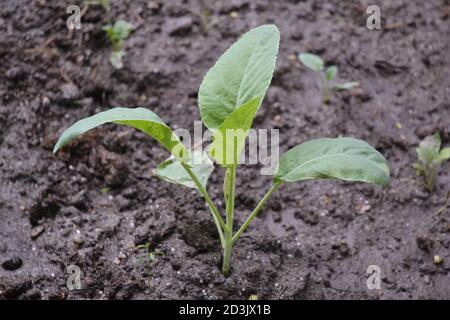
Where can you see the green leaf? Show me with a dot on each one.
(340, 158)
(242, 73)
(428, 149)
(346, 85)
(229, 139)
(419, 167)
(117, 33)
(311, 61)
(444, 154)
(172, 171)
(116, 59)
(138, 118)
(331, 72)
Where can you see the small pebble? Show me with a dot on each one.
(292, 57)
(234, 14)
(45, 101)
(362, 206)
(12, 264)
(36, 232)
(179, 26)
(437, 260)
(69, 91)
(78, 239)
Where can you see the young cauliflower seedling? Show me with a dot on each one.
(229, 98)
(316, 64)
(430, 156)
(117, 34)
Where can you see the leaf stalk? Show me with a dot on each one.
(255, 212)
(231, 176)
(220, 224)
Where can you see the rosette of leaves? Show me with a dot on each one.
(231, 94)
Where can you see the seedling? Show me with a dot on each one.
(316, 64)
(149, 255)
(117, 34)
(229, 98)
(430, 156)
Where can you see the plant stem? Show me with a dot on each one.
(220, 224)
(325, 91)
(231, 176)
(256, 210)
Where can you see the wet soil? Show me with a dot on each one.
(92, 204)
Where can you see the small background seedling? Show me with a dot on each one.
(430, 156)
(316, 64)
(204, 14)
(117, 33)
(148, 256)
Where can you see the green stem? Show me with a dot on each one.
(231, 176)
(325, 91)
(220, 224)
(256, 211)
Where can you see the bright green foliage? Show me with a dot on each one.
(116, 59)
(172, 171)
(138, 118)
(331, 72)
(229, 139)
(316, 64)
(312, 61)
(430, 156)
(241, 74)
(229, 98)
(148, 256)
(340, 158)
(346, 85)
(117, 34)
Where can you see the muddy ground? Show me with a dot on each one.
(92, 204)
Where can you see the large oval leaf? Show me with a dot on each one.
(229, 139)
(172, 171)
(242, 73)
(341, 158)
(138, 118)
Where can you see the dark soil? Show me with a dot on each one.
(94, 202)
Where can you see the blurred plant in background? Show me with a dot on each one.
(117, 33)
(430, 156)
(316, 64)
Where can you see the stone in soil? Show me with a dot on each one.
(12, 264)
